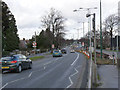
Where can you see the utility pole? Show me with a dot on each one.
(35, 41)
(94, 38)
(88, 34)
(78, 33)
(100, 29)
(118, 52)
(1, 30)
(94, 28)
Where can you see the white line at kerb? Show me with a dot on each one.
(76, 59)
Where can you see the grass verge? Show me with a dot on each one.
(48, 54)
(36, 58)
(104, 61)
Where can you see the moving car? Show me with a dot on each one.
(57, 53)
(63, 51)
(72, 51)
(16, 63)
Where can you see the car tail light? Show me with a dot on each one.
(13, 62)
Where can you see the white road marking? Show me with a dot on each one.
(4, 86)
(44, 67)
(71, 83)
(11, 82)
(48, 62)
(76, 59)
(75, 72)
(16, 80)
(30, 74)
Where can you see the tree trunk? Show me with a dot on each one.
(111, 39)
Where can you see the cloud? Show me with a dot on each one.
(28, 13)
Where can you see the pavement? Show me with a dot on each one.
(108, 76)
(53, 72)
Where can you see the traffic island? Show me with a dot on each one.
(36, 58)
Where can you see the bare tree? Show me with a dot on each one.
(54, 21)
(111, 22)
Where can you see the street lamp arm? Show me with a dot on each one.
(75, 10)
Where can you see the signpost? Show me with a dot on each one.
(34, 45)
(53, 46)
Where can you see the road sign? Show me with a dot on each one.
(34, 44)
(83, 44)
(53, 46)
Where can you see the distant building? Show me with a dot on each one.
(115, 42)
(23, 44)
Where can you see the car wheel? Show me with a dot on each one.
(2, 72)
(19, 69)
(30, 66)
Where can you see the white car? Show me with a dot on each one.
(72, 51)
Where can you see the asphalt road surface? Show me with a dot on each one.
(57, 72)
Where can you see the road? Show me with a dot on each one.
(57, 72)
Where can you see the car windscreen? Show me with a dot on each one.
(9, 58)
(56, 51)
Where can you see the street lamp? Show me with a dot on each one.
(88, 15)
(89, 20)
(93, 20)
(83, 27)
(101, 29)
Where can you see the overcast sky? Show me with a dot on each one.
(28, 14)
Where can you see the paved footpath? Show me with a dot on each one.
(108, 76)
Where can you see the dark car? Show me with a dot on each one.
(63, 51)
(16, 63)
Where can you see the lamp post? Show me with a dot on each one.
(93, 20)
(100, 30)
(89, 22)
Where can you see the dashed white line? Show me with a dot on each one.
(48, 62)
(76, 59)
(30, 74)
